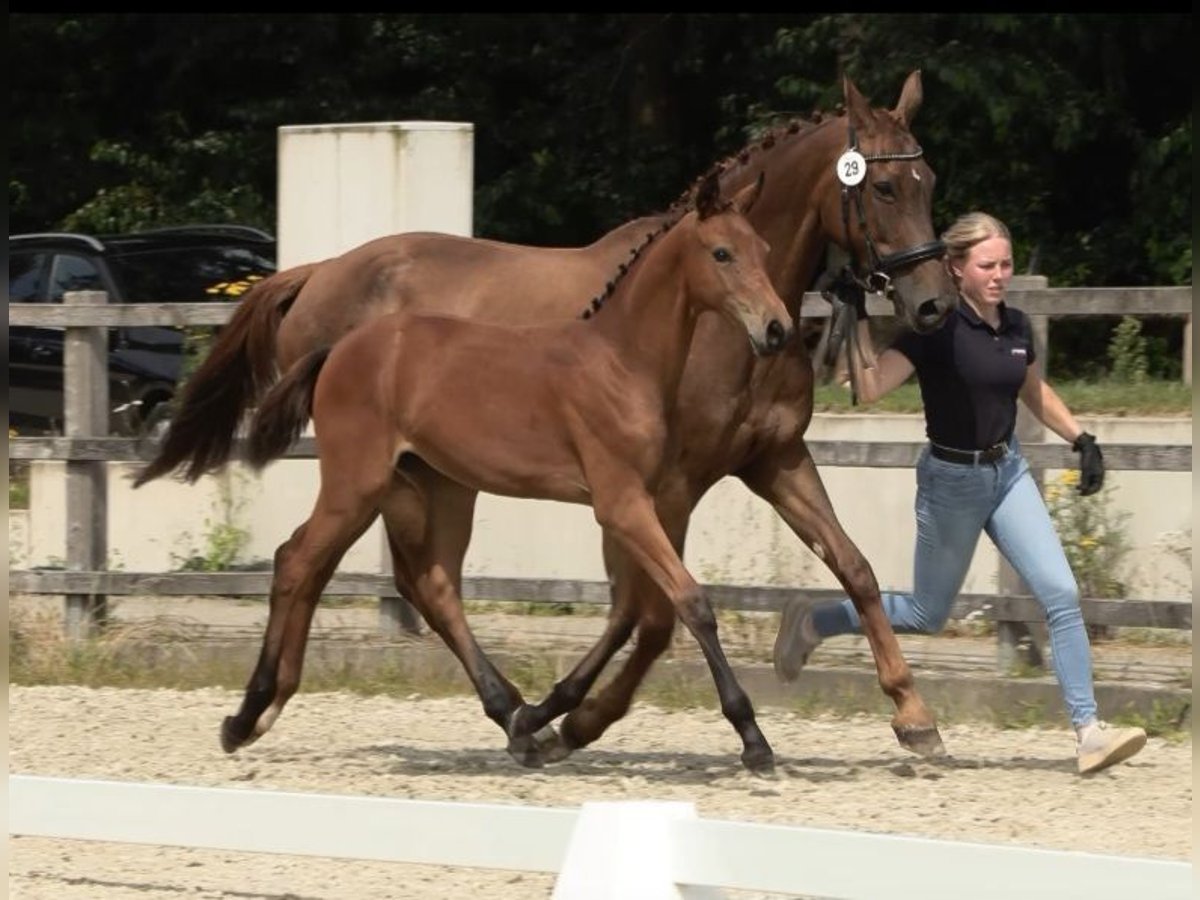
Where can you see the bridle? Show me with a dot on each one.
(877, 277)
(849, 286)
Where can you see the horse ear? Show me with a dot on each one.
(910, 99)
(748, 196)
(857, 106)
(708, 196)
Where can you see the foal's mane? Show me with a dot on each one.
(686, 202)
(623, 268)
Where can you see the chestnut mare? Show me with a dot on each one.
(576, 412)
(736, 414)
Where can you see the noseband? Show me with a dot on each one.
(851, 173)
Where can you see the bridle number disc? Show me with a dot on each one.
(851, 168)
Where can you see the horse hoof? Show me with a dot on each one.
(526, 751)
(230, 741)
(922, 740)
(759, 761)
(551, 747)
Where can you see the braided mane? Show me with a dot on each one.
(768, 140)
(686, 201)
(623, 269)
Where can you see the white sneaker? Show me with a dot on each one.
(1100, 745)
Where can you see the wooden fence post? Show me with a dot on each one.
(85, 414)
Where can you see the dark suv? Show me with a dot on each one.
(184, 264)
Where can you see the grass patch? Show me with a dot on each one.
(18, 484)
(1152, 637)
(1106, 398)
(1170, 719)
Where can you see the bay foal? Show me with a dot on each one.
(575, 412)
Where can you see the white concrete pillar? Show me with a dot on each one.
(343, 185)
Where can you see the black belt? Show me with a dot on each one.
(969, 457)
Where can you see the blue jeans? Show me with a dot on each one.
(955, 503)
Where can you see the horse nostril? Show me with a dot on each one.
(928, 313)
(776, 335)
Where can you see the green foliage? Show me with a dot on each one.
(1058, 123)
(1093, 535)
(18, 483)
(1127, 352)
(1023, 714)
(224, 539)
(1105, 397)
(1167, 718)
(170, 186)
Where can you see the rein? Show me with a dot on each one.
(878, 271)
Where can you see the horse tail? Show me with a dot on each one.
(237, 370)
(281, 416)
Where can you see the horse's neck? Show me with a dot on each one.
(799, 168)
(648, 318)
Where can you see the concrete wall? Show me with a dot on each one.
(734, 539)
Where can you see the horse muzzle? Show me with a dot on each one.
(929, 314)
(773, 339)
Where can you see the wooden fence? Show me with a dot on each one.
(86, 585)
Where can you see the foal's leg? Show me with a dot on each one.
(303, 566)
(636, 593)
(629, 516)
(655, 625)
(789, 481)
(569, 693)
(428, 520)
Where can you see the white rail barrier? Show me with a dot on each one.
(603, 850)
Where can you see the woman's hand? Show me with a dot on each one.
(1091, 464)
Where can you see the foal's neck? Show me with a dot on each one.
(649, 318)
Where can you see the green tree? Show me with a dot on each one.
(1075, 128)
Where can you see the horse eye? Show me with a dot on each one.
(722, 255)
(885, 190)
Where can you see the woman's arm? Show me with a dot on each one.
(876, 377)
(1047, 406)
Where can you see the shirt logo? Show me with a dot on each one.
(1019, 351)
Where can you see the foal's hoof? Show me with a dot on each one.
(759, 761)
(231, 736)
(922, 740)
(551, 745)
(526, 751)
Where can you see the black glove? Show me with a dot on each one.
(1091, 464)
(846, 289)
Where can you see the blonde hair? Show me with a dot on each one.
(968, 230)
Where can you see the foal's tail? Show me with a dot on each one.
(283, 413)
(235, 373)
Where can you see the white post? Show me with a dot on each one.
(343, 185)
(622, 849)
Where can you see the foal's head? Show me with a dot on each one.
(730, 275)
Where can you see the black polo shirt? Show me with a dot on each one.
(970, 376)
